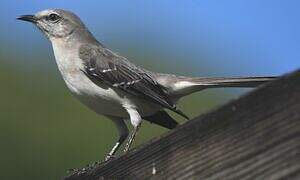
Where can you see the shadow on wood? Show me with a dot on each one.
(254, 137)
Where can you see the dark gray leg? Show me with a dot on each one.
(123, 134)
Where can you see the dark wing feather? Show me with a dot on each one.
(116, 71)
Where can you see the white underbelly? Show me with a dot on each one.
(100, 98)
(105, 100)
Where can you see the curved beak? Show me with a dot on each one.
(29, 18)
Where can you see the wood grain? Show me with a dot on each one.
(254, 137)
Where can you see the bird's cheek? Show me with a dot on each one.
(61, 30)
(45, 30)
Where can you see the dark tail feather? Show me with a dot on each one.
(162, 118)
(178, 111)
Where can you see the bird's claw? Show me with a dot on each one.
(109, 157)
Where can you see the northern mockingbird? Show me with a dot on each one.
(111, 85)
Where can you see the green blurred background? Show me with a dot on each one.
(44, 131)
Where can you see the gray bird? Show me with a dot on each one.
(114, 87)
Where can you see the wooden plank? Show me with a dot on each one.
(254, 137)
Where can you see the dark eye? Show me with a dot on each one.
(53, 17)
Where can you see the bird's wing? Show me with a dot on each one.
(115, 71)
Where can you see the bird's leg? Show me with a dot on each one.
(111, 153)
(136, 121)
(131, 138)
(123, 134)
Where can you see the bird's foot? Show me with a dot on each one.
(109, 157)
(126, 148)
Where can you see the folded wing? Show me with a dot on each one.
(115, 71)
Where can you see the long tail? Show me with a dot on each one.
(231, 82)
(182, 86)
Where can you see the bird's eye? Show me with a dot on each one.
(53, 17)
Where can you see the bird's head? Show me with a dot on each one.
(55, 23)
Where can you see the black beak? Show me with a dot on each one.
(29, 18)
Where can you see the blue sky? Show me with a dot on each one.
(258, 37)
